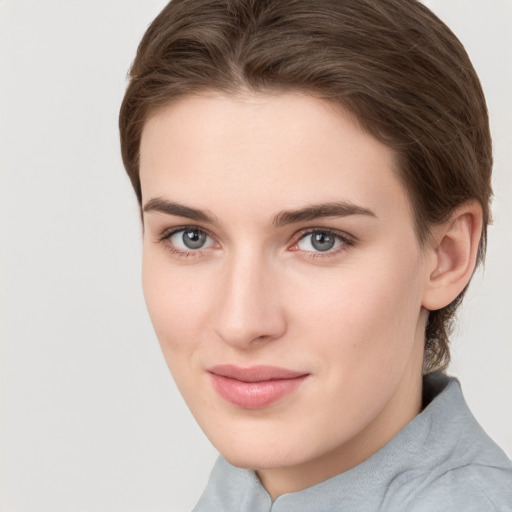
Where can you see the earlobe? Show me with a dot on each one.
(454, 248)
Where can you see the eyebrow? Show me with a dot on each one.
(318, 211)
(158, 204)
(312, 212)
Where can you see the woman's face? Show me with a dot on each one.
(284, 280)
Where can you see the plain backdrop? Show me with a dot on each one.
(90, 417)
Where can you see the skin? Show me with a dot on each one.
(258, 293)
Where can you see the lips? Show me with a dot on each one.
(255, 387)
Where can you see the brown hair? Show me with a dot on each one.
(391, 63)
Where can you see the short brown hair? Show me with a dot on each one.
(392, 63)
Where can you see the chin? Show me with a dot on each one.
(252, 451)
(261, 459)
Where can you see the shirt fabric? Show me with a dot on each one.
(442, 461)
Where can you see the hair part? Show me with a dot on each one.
(392, 64)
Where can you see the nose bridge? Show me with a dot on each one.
(249, 308)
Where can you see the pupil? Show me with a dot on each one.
(194, 239)
(322, 241)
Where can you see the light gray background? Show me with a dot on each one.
(90, 418)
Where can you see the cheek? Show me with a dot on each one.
(362, 313)
(177, 302)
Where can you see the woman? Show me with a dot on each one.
(314, 184)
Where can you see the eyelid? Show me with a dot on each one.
(344, 236)
(168, 232)
(346, 239)
(166, 235)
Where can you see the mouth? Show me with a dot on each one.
(255, 387)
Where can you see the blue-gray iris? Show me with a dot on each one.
(194, 239)
(322, 241)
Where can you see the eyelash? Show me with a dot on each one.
(346, 242)
(168, 234)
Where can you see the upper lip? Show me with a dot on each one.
(259, 373)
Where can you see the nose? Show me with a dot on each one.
(249, 309)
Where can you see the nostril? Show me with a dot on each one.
(262, 338)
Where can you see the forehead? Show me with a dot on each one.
(265, 152)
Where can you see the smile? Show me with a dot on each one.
(255, 387)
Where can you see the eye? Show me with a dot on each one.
(190, 239)
(320, 241)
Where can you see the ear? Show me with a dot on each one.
(452, 253)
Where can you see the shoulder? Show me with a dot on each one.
(472, 488)
(459, 467)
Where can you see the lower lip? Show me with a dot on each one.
(254, 395)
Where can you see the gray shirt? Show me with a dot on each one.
(442, 461)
